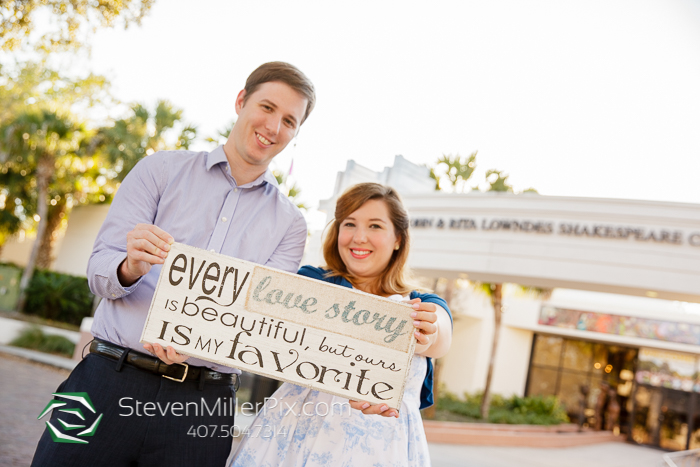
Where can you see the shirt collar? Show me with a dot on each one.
(269, 178)
(218, 156)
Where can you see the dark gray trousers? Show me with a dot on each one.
(147, 420)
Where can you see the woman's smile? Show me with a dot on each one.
(359, 254)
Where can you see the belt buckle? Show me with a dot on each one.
(187, 367)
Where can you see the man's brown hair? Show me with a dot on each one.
(284, 73)
(395, 279)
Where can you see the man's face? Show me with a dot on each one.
(267, 122)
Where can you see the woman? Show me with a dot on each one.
(366, 248)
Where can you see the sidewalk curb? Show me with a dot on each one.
(40, 357)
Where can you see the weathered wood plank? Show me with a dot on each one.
(285, 326)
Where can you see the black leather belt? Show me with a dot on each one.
(177, 371)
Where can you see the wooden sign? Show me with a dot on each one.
(281, 325)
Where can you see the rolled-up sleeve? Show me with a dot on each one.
(287, 255)
(136, 202)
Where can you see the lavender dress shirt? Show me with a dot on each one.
(194, 198)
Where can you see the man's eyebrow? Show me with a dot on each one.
(274, 106)
(269, 102)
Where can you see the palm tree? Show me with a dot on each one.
(31, 144)
(458, 171)
(498, 182)
(495, 294)
(78, 179)
(36, 85)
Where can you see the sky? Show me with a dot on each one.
(590, 99)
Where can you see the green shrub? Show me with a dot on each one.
(34, 338)
(453, 404)
(534, 410)
(59, 297)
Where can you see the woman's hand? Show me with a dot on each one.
(424, 318)
(433, 329)
(377, 409)
(167, 355)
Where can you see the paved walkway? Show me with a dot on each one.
(40, 357)
(26, 388)
(597, 455)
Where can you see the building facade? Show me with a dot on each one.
(616, 340)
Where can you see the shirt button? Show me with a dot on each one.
(223, 219)
(235, 190)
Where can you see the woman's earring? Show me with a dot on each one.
(396, 247)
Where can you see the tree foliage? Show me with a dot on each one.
(221, 135)
(34, 144)
(28, 89)
(456, 171)
(70, 21)
(35, 83)
(498, 181)
(291, 189)
(13, 193)
(139, 134)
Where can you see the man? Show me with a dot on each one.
(226, 201)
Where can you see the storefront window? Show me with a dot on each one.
(543, 382)
(695, 435)
(661, 418)
(586, 377)
(578, 356)
(569, 392)
(666, 399)
(674, 420)
(600, 359)
(547, 351)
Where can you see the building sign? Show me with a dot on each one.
(630, 326)
(570, 229)
(284, 326)
(668, 369)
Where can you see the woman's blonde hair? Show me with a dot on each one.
(395, 279)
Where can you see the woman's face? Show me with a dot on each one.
(366, 240)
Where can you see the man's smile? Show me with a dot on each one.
(263, 140)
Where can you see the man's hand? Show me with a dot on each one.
(146, 245)
(167, 355)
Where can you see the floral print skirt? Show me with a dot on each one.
(302, 427)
